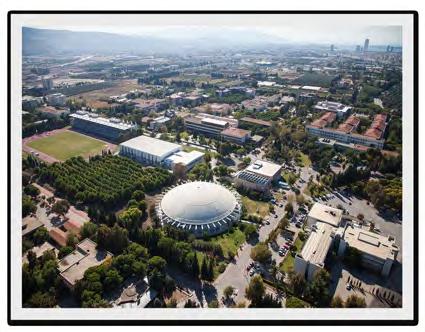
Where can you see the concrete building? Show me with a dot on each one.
(312, 257)
(325, 214)
(156, 123)
(29, 103)
(47, 83)
(148, 150)
(331, 106)
(203, 208)
(258, 176)
(156, 152)
(255, 122)
(86, 255)
(109, 128)
(378, 252)
(187, 160)
(366, 45)
(56, 99)
(236, 135)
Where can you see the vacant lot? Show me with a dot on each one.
(66, 144)
(255, 207)
(98, 98)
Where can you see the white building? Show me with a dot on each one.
(325, 214)
(312, 257)
(378, 252)
(331, 106)
(186, 159)
(258, 176)
(156, 152)
(148, 150)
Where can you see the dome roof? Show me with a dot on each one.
(198, 203)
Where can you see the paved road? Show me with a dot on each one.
(236, 274)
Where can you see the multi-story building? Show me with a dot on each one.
(30, 103)
(341, 110)
(345, 133)
(236, 135)
(86, 255)
(312, 257)
(47, 83)
(156, 123)
(378, 252)
(92, 123)
(56, 99)
(258, 176)
(156, 152)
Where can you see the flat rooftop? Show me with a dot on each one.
(370, 243)
(264, 168)
(326, 214)
(184, 157)
(152, 146)
(85, 256)
(95, 118)
(318, 243)
(236, 132)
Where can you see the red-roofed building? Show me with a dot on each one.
(59, 236)
(236, 135)
(73, 226)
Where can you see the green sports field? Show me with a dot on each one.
(67, 144)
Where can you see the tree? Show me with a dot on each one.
(61, 207)
(354, 301)
(138, 195)
(32, 259)
(289, 208)
(113, 239)
(318, 289)
(31, 190)
(42, 300)
(297, 283)
(191, 304)
(28, 206)
(112, 279)
(88, 230)
(255, 290)
(71, 240)
(294, 302)
(64, 251)
(337, 302)
(261, 253)
(228, 292)
(213, 304)
(40, 236)
(131, 218)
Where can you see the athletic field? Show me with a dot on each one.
(66, 144)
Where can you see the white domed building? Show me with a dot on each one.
(201, 208)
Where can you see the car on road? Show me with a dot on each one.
(267, 222)
(348, 286)
(275, 216)
(280, 205)
(251, 273)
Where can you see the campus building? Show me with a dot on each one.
(373, 137)
(236, 135)
(156, 152)
(92, 123)
(324, 222)
(312, 257)
(203, 208)
(56, 99)
(332, 106)
(258, 176)
(86, 255)
(378, 252)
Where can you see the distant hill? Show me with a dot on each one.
(47, 41)
(44, 41)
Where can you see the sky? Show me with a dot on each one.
(321, 29)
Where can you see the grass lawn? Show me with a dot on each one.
(230, 241)
(255, 207)
(288, 262)
(67, 144)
